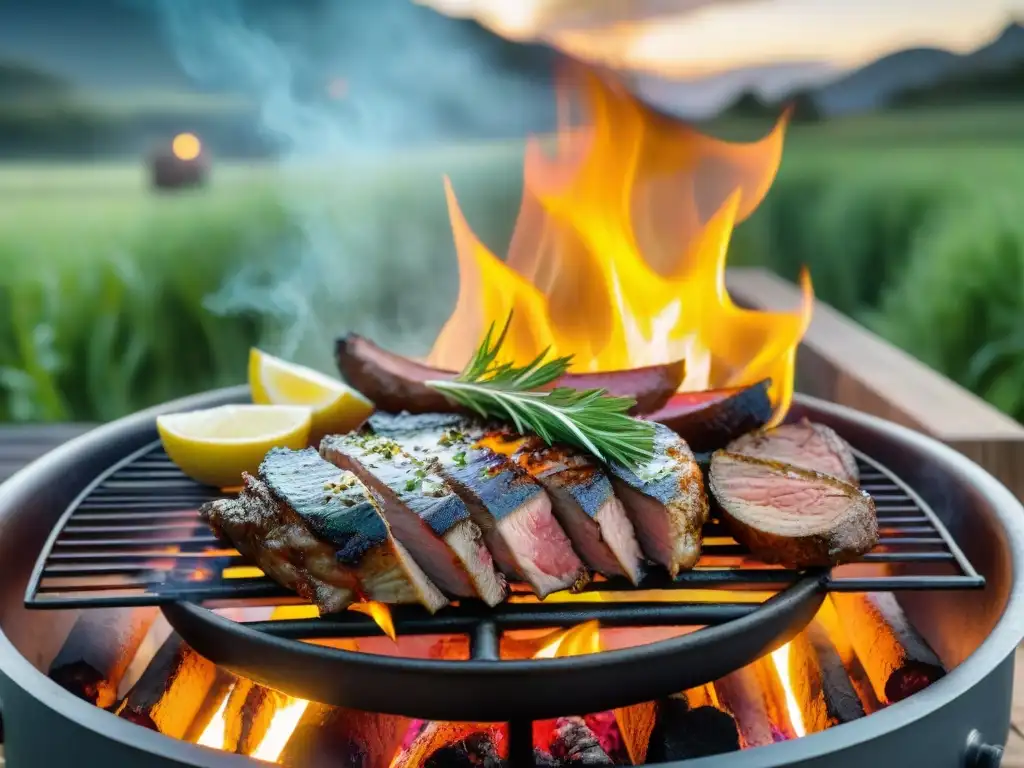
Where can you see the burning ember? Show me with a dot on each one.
(619, 252)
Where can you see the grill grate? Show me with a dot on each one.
(134, 538)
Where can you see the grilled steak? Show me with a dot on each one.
(511, 508)
(802, 444)
(792, 516)
(313, 529)
(396, 383)
(424, 513)
(666, 502)
(582, 500)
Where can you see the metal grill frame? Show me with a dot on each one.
(483, 687)
(146, 487)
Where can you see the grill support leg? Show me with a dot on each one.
(520, 744)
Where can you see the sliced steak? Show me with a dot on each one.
(582, 500)
(511, 508)
(666, 502)
(313, 529)
(792, 516)
(802, 444)
(424, 513)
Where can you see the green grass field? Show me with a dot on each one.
(113, 297)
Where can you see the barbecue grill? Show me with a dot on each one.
(122, 530)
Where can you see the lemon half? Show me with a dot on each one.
(336, 406)
(214, 446)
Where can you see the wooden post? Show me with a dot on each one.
(841, 361)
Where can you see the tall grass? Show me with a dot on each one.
(113, 297)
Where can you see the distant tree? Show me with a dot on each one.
(19, 80)
(805, 107)
(748, 105)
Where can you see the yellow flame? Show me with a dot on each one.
(380, 614)
(186, 146)
(241, 572)
(286, 719)
(576, 641)
(213, 735)
(301, 611)
(781, 658)
(619, 253)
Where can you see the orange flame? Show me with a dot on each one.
(780, 659)
(576, 641)
(619, 253)
(213, 734)
(282, 726)
(380, 614)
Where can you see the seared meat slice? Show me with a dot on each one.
(582, 500)
(511, 508)
(665, 500)
(424, 513)
(792, 516)
(802, 444)
(313, 529)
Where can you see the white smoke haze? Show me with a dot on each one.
(369, 248)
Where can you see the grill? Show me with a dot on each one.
(121, 529)
(135, 538)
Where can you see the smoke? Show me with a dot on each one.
(367, 245)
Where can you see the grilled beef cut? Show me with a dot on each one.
(511, 508)
(396, 383)
(313, 529)
(424, 513)
(792, 516)
(802, 444)
(666, 502)
(582, 500)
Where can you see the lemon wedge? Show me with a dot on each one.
(336, 406)
(214, 446)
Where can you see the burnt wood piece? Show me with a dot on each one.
(828, 617)
(250, 710)
(898, 661)
(170, 693)
(576, 744)
(327, 737)
(792, 516)
(748, 695)
(708, 420)
(477, 750)
(437, 735)
(99, 650)
(820, 684)
(683, 732)
(223, 685)
(395, 383)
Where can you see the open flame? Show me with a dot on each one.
(281, 729)
(576, 641)
(213, 735)
(380, 613)
(619, 251)
(781, 659)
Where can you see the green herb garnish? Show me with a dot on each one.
(590, 419)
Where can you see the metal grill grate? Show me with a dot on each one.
(134, 537)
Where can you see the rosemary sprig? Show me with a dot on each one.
(590, 419)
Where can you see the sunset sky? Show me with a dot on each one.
(693, 37)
